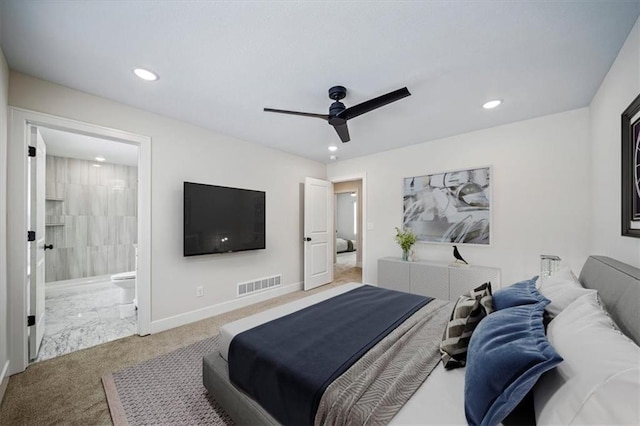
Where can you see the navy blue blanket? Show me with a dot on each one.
(287, 364)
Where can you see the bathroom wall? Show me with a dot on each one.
(91, 216)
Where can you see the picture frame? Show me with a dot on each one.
(452, 207)
(631, 170)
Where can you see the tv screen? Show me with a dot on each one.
(218, 219)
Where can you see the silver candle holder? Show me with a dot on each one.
(548, 265)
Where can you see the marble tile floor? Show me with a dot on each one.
(80, 318)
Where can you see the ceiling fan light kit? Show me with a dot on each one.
(339, 113)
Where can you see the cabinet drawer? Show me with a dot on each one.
(394, 275)
(430, 280)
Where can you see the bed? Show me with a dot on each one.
(345, 245)
(441, 398)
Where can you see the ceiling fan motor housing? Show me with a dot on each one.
(337, 92)
(336, 108)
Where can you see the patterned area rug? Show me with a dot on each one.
(166, 390)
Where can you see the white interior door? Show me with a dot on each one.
(37, 247)
(318, 232)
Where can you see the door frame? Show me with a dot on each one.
(17, 147)
(361, 177)
(335, 222)
(37, 248)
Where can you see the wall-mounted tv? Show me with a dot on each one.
(218, 219)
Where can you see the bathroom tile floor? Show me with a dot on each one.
(77, 320)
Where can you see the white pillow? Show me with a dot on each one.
(599, 380)
(561, 289)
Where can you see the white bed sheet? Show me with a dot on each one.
(440, 399)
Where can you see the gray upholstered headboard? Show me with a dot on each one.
(619, 287)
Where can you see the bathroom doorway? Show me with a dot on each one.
(19, 283)
(91, 236)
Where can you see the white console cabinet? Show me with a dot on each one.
(434, 279)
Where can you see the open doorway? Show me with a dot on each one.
(91, 205)
(19, 271)
(348, 231)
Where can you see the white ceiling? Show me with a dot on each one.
(73, 145)
(221, 62)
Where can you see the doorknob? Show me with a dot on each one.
(306, 239)
(50, 246)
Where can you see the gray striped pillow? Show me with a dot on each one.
(470, 308)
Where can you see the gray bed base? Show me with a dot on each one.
(617, 283)
(242, 409)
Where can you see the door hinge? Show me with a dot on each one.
(32, 151)
(31, 235)
(31, 320)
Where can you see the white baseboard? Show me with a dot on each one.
(4, 380)
(209, 311)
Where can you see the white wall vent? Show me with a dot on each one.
(261, 284)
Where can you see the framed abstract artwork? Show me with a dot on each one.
(631, 170)
(451, 207)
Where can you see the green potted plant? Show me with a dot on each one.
(406, 239)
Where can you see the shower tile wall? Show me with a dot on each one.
(91, 218)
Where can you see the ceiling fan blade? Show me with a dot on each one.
(374, 103)
(343, 132)
(304, 114)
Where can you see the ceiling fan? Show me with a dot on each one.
(339, 114)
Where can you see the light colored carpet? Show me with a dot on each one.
(68, 389)
(346, 265)
(166, 390)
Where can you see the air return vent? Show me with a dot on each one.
(261, 284)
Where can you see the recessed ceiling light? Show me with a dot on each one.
(145, 74)
(333, 148)
(492, 104)
(101, 159)
(333, 157)
(96, 165)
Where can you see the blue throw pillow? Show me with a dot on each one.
(522, 293)
(507, 354)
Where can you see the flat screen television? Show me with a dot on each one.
(218, 219)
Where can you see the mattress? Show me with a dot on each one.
(440, 399)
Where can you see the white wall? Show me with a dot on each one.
(345, 220)
(619, 88)
(4, 95)
(184, 152)
(540, 193)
